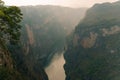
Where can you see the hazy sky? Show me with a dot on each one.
(68, 3)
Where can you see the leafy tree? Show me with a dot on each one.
(10, 17)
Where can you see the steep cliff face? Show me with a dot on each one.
(26, 71)
(6, 64)
(13, 67)
(7, 68)
(5, 59)
(93, 49)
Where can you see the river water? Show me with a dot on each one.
(55, 70)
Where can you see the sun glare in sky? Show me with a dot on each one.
(67, 3)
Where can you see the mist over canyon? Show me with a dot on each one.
(43, 36)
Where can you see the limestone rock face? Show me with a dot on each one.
(94, 54)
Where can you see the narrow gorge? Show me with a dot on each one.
(43, 38)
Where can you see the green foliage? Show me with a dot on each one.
(10, 17)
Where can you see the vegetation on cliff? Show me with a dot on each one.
(12, 63)
(10, 17)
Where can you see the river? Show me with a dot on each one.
(55, 70)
